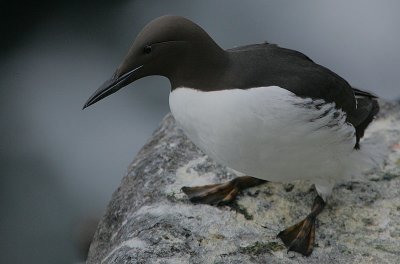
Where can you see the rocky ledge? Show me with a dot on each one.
(149, 219)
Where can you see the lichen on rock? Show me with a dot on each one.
(150, 220)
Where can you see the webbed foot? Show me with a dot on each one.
(221, 193)
(300, 237)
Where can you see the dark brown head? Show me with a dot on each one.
(169, 46)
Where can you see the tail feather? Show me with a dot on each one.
(367, 109)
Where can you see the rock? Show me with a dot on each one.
(149, 219)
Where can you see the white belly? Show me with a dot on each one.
(266, 132)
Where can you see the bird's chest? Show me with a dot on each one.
(254, 128)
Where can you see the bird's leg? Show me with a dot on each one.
(300, 237)
(221, 193)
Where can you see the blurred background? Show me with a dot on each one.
(60, 165)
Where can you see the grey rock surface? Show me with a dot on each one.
(149, 219)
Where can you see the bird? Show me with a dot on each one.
(265, 111)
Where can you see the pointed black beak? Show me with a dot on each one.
(111, 86)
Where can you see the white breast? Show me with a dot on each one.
(266, 132)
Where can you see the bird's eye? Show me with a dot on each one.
(147, 49)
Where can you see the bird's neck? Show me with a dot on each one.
(202, 70)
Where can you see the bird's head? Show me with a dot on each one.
(167, 46)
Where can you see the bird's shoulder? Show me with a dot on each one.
(270, 49)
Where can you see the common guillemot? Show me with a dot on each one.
(262, 110)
